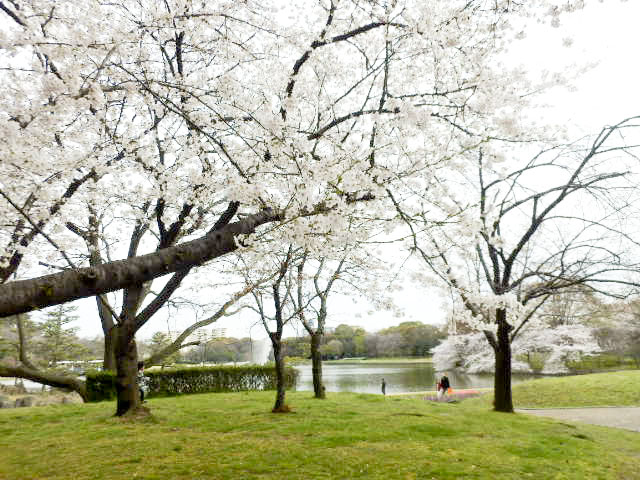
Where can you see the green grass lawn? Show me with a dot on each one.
(593, 390)
(234, 436)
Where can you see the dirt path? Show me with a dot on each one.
(618, 417)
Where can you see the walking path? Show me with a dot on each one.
(617, 417)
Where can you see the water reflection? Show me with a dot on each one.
(400, 377)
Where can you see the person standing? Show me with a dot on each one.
(384, 387)
(444, 385)
(142, 381)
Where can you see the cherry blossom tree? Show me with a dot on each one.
(537, 349)
(275, 308)
(315, 326)
(527, 231)
(82, 85)
(101, 241)
(349, 271)
(295, 115)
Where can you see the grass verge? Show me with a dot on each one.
(233, 436)
(592, 390)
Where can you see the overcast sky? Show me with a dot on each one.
(606, 34)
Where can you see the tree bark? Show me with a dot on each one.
(126, 353)
(27, 295)
(502, 401)
(22, 343)
(109, 360)
(316, 365)
(280, 405)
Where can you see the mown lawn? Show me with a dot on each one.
(234, 436)
(592, 390)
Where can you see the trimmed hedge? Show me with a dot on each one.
(165, 383)
(101, 385)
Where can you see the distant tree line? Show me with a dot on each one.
(53, 341)
(409, 339)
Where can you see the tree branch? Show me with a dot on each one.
(27, 295)
(46, 378)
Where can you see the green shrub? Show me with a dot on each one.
(169, 382)
(600, 362)
(297, 360)
(536, 360)
(101, 385)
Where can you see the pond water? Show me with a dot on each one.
(400, 377)
(366, 378)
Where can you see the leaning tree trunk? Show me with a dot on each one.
(279, 406)
(46, 378)
(316, 365)
(23, 296)
(126, 354)
(503, 401)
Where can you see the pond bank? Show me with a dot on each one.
(457, 394)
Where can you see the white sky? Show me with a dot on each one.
(606, 33)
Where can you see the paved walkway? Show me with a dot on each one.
(618, 417)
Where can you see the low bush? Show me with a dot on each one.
(536, 360)
(101, 385)
(169, 382)
(600, 362)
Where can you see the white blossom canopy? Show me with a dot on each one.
(304, 107)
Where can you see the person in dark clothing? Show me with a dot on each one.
(142, 381)
(444, 384)
(384, 387)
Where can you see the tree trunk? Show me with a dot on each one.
(316, 366)
(126, 354)
(279, 406)
(503, 401)
(109, 360)
(107, 322)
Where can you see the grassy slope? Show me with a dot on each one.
(593, 390)
(233, 436)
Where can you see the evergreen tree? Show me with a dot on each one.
(60, 342)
